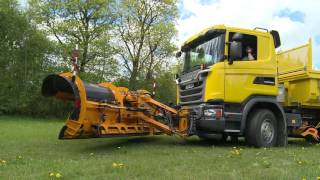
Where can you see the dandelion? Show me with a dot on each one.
(236, 152)
(3, 162)
(304, 178)
(58, 175)
(114, 165)
(117, 165)
(51, 174)
(299, 162)
(318, 178)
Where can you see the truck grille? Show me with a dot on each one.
(192, 92)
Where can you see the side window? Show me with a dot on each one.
(249, 45)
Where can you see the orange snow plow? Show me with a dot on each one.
(105, 110)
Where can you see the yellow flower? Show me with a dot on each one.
(318, 178)
(58, 175)
(299, 162)
(304, 178)
(117, 165)
(19, 157)
(114, 165)
(235, 152)
(51, 174)
(3, 161)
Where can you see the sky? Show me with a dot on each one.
(296, 20)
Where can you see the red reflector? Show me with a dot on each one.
(218, 113)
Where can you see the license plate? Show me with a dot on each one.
(189, 86)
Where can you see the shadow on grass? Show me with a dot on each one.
(114, 144)
(300, 142)
(158, 142)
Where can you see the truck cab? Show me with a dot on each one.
(229, 82)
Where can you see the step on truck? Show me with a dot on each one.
(234, 82)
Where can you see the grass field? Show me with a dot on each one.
(29, 149)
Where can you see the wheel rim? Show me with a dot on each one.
(267, 131)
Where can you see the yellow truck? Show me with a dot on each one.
(236, 84)
(233, 83)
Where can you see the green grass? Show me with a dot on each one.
(158, 157)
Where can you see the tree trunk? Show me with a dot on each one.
(133, 80)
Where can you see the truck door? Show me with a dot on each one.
(255, 72)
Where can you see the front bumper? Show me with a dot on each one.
(207, 123)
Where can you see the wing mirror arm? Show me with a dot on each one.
(230, 61)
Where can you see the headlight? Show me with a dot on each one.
(213, 113)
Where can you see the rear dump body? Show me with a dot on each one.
(104, 110)
(299, 90)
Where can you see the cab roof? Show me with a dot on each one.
(223, 27)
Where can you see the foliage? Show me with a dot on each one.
(24, 52)
(85, 23)
(145, 32)
(39, 40)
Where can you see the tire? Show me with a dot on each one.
(261, 129)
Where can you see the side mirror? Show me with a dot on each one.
(276, 38)
(178, 54)
(235, 51)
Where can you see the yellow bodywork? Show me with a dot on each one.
(293, 68)
(234, 83)
(294, 77)
(300, 80)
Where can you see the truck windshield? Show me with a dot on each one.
(208, 52)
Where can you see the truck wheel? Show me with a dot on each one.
(261, 129)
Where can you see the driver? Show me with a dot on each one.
(249, 56)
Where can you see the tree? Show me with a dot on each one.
(86, 23)
(145, 32)
(24, 52)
